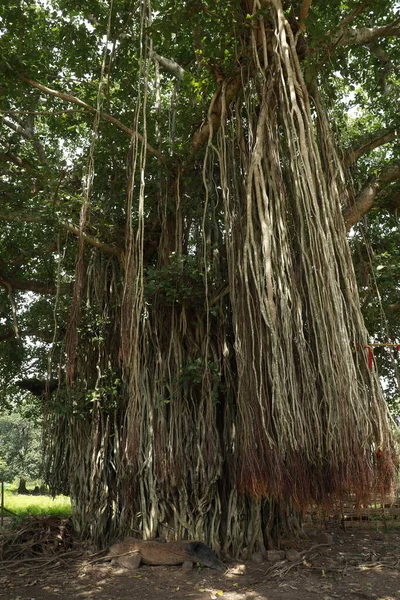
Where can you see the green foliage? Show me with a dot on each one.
(60, 44)
(20, 449)
(182, 280)
(79, 403)
(376, 252)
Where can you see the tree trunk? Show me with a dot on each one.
(22, 489)
(243, 392)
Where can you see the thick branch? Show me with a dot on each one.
(105, 116)
(10, 292)
(37, 218)
(33, 286)
(44, 112)
(21, 258)
(339, 33)
(169, 65)
(305, 7)
(351, 16)
(7, 333)
(226, 93)
(378, 140)
(38, 387)
(92, 241)
(365, 35)
(395, 306)
(16, 160)
(366, 198)
(386, 64)
(28, 135)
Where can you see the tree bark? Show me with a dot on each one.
(378, 140)
(368, 195)
(22, 489)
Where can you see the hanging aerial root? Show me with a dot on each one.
(300, 482)
(310, 412)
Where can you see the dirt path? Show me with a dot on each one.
(357, 565)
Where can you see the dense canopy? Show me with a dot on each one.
(178, 178)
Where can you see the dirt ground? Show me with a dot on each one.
(356, 565)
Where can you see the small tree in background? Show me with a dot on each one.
(20, 450)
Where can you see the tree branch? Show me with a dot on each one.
(169, 65)
(33, 286)
(92, 241)
(227, 92)
(37, 218)
(105, 116)
(305, 7)
(386, 64)
(28, 134)
(383, 137)
(350, 17)
(16, 160)
(334, 38)
(38, 387)
(344, 36)
(366, 198)
(7, 333)
(365, 35)
(10, 292)
(395, 306)
(44, 112)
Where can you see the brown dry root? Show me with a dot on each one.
(37, 538)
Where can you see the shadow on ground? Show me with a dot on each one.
(356, 565)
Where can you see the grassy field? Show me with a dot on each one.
(22, 505)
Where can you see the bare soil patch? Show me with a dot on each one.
(357, 565)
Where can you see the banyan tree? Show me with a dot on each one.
(180, 170)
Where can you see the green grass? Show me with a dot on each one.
(23, 506)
